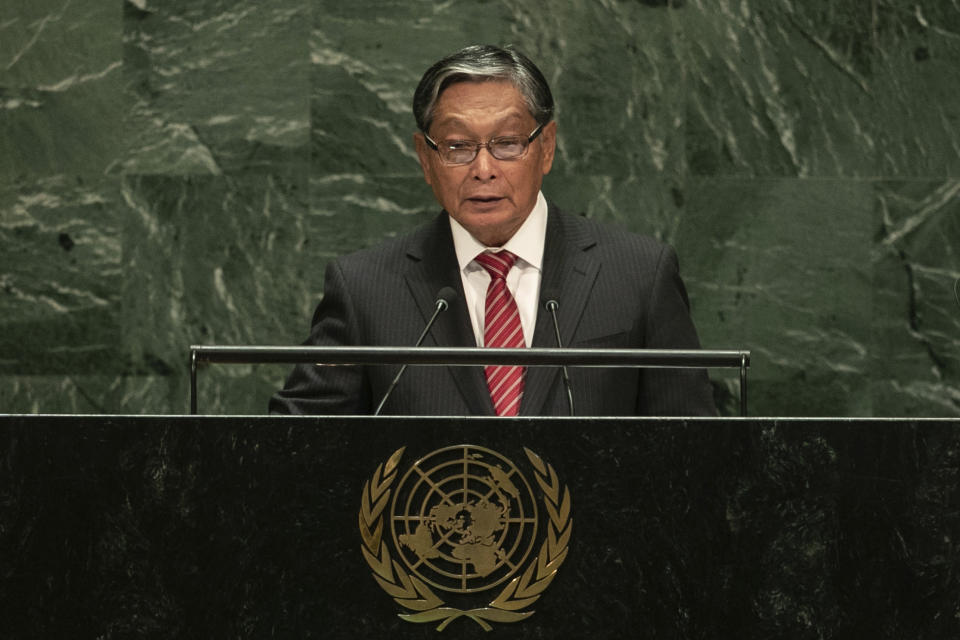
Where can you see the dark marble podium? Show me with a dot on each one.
(238, 527)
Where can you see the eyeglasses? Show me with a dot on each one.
(464, 151)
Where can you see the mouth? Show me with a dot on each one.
(484, 199)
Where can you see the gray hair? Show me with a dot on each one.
(483, 63)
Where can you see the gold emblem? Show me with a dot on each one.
(461, 522)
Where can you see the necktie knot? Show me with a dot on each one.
(498, 265)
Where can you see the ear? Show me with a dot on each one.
(548, 139)
(424, 154)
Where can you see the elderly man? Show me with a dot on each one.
(487, 137)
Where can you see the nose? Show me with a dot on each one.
(484, 166)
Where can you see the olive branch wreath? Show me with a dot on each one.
(412, 593)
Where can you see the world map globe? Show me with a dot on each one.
(464, 518)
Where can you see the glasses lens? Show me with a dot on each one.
(458, 152)
(508, 148)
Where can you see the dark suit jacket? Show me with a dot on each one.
(615, 290)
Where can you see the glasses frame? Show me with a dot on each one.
(481, 145)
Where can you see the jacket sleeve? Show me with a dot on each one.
(327, 390)
(672, 392)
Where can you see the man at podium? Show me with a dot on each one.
(505, 260)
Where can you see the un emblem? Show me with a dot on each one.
(464, 522)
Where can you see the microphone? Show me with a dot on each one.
(552, 306)
(445, 298)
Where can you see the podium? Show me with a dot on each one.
(252, 527)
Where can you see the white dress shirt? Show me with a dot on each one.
(523, 281)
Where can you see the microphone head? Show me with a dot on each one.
(446, 296)
(551, 304)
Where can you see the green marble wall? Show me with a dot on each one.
(177, 172)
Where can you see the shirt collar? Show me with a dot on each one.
(527, 243)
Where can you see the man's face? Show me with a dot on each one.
(491, 198)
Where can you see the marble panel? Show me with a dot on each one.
(71, 131)
(60, 276)
(350, 212)
(228, 389)
(353, 130)
(60, 93)
(653, 205)
(72, 392)
(212, 260)
(916, 76)
(216, 86)
(783, 268)
(916, 315)
(829, 89)
(221, 390)
(779, 88)
(56, 43)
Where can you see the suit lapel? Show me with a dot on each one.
(569, 271)
(432, 265)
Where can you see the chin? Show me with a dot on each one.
(492, 233)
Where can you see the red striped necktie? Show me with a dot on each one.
(501, 328)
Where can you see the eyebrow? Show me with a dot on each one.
(457, 122)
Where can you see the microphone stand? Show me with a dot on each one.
(552, 307)
(444, 298)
